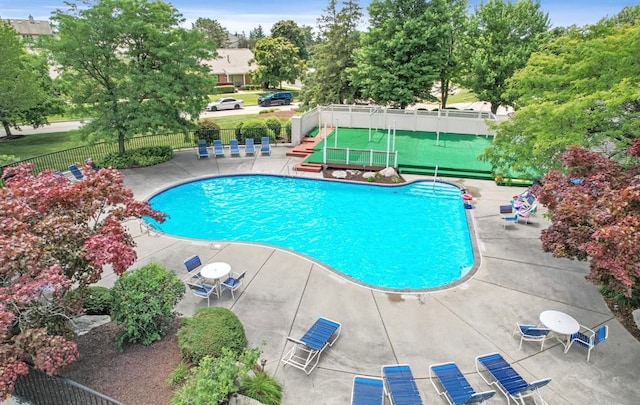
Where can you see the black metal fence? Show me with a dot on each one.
(39, 388)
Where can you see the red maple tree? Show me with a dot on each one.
(594, 208)
(56, 235)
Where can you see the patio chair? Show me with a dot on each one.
(588, 338)
(508, 381)
(265, 147)
(510, 220)
(249, 147)
(455, 386)
(531, 333)
(89, 161)
(218, 149)
(234, 147)
(192, 264)
(306, 351)
(203, 291)
(234, 282)
(202, 149)
(367, 391)
(400, 386)
(76, 172)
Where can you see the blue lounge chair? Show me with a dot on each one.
(508, 381)
(367, 391)
(202, 149)
(306, 351)
(218, 149)
(233, 146)
(265, 147)
(76, 172)
(455, 386)
(531, 333)
(249, 148)
(400, 386)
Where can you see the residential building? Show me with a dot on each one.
(233, 65)
(30, 28)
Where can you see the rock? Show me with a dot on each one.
(238, 399)
(388, 172)
(636, 317)
(83, 324)
(353, 172)
(368, 175)
(340, 174)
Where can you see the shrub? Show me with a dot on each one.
(261, 387)
(207, 130)
(250, 87)
(178, 376)
(267, 110)
(142, 303)
(98, 301)
(208, 332)
(274, 125)
(256, 129)
(140, 157)
(288, 130)
(225, 89)
(238, 132)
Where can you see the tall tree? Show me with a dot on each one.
(398, 61)
(131, 65)
(255, 35)
(501, 37)
(290, 31)
(213, 30)
(583, 88)
(56, 235)
(278, 60)
(26, 90)
(329, 82)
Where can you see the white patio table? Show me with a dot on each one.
(562, 324)
(216, 271)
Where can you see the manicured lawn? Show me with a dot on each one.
(462, 96)
(39, 144)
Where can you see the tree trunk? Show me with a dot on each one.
(7, 128)
(494, 108)
(444, 93)
(121, 138)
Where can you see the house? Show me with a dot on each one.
(233, 65)
(30, 28)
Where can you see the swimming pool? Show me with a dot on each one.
(411, 236)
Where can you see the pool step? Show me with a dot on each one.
(430, 189)
(308, 167)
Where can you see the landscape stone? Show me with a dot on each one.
(340, 174)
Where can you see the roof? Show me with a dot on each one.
(30, 27)
(232, 61)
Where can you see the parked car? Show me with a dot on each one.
(277, 98)
(225, 104)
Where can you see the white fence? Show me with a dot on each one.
(359, 157)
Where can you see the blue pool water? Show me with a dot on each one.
(403, 237)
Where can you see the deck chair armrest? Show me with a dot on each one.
(290, 339)
(538, 383)
(480, 397)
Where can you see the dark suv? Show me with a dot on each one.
(277, 98)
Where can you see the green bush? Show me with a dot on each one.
(256, 129)
(250, 87)
(267, 110)
(225, 89)
(209, 331)
(98, 301)
(207, 130)
(261, 387)
(178, 376)
(143, 302)
(140, 157)
(288, 130)
(238, 132)
(274, 124)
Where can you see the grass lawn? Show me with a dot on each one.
(462, 96)
(39, 144)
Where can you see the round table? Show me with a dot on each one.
(560, 323)
(216, 271)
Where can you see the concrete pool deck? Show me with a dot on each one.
(284, 293)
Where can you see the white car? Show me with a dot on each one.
(224, 104)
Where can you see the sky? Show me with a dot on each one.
(245, 15)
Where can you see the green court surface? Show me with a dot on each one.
(418, 152)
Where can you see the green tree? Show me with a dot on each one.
(26, 90)
(290, 31)
(132, 67)
(330, 82)
(399, 58)
(255, 35)
(501, 37)
(581, 89)
(213, 30)
(278, 60)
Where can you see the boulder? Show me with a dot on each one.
(636, 317)
(340, 174)
(368, 175)
(83, 324)
(388, 172)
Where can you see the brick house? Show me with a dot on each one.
(30, 28)
(232, 66)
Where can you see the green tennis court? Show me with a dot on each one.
(418, 152)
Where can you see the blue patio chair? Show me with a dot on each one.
(218, 149)
(202, 149)
(203, 291)
(234, 282)
(455, 386)
(234, 147)
(265, 147)
(76, 172)
(531, 333)
(588, 339)
(192, 263)
(508, 381)
(400, 386)
(249, 147)
(510, 220)
(306, 351)
(367, 391)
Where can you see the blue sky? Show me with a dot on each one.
(244, 15)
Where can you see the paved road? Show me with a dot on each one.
(63, 126)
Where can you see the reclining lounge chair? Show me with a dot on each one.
(400, 386)
(455, 386)
(367, 391)
(306, 351)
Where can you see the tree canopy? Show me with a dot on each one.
(500, 38)
(278, 60)
(131, 65)
(213, 30)
(56, 235)
(289, 30)
(583, 88)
